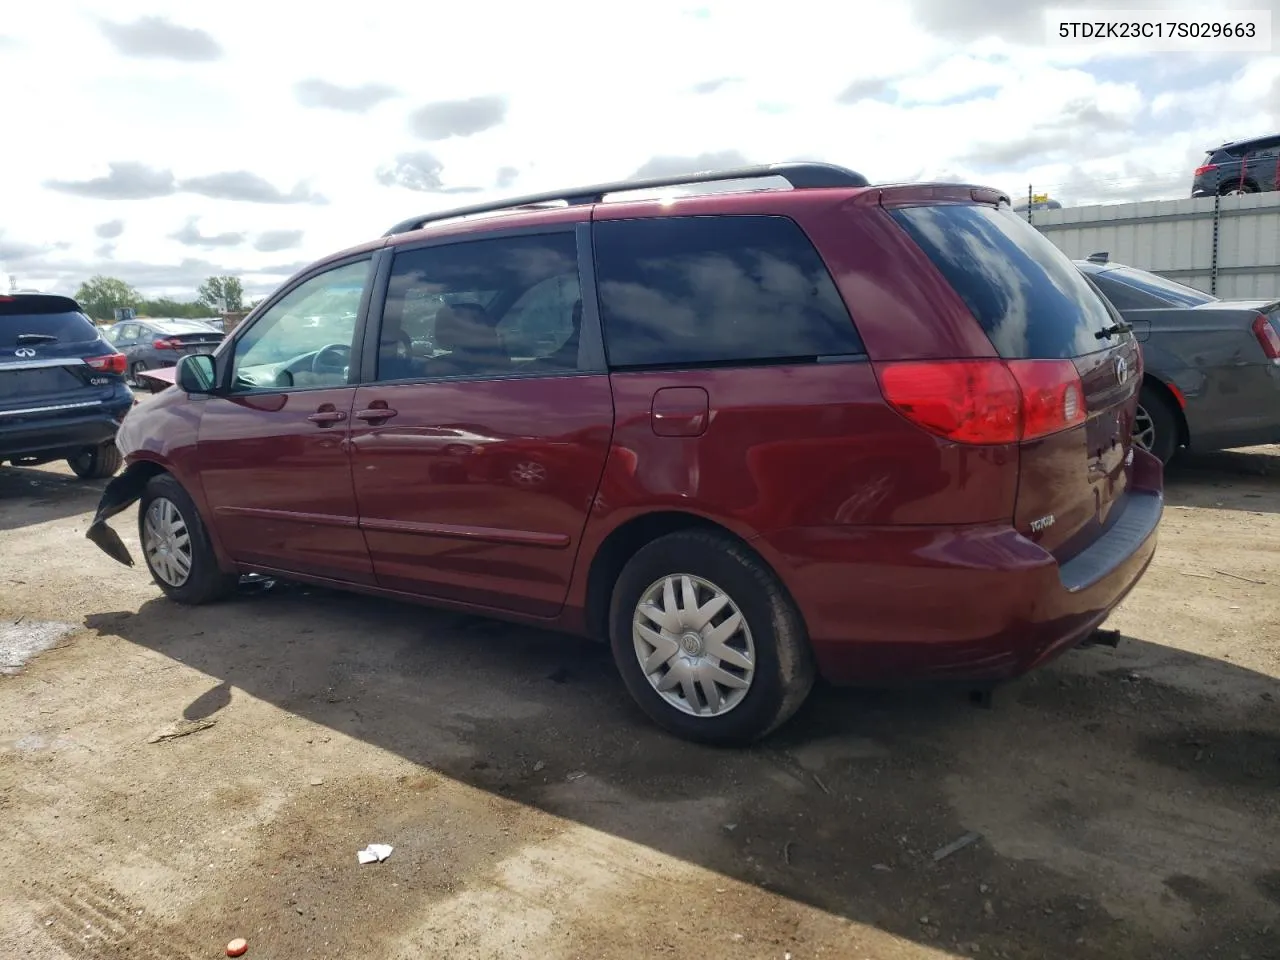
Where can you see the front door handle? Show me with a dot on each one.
(327, 417)
(376, 414)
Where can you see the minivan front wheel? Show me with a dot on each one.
(176, 545)
(706, 640)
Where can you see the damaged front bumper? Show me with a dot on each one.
(121, 493)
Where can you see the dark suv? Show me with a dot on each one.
(874, 433)
(62, 389)
(1242, 166)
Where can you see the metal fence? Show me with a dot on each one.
(1227, 246)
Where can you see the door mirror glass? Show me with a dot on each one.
(196, 373)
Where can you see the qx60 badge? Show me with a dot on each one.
(24, 352)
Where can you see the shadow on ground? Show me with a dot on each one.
(1247, 480)
(1121, 814)
(30, 495)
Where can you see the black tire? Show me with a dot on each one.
(205, 582)
(783, 671)
(134, 368)
(96, 463)
(1165, 424)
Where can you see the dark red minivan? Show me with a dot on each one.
(875, 433)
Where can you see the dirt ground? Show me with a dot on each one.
(1127, 801)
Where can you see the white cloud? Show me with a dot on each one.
(245, 133)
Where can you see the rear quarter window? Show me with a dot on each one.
(1028, 296)
(679, 291)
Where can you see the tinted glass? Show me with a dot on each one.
(484, 308)
(63, 327)
(1122, 297)
(304, 339)
(1029, 298)
(1165, 292)
(690, 290)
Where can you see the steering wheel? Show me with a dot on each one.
(331, 358)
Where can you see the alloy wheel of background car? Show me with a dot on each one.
(166, 542)
(1144, 431)
(693, 644)
(707, 640)
(1155, 425)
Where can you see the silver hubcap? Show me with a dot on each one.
(1144, 430)
(167, 542)
(694, 645)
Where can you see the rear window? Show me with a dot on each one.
(1164, 292)
(1029, 298)
(679, 291)
(40, 318)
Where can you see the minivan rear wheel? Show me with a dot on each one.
(176, 545)
(707, 641)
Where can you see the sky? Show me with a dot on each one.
(163, 142)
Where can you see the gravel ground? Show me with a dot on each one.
(1126, 801)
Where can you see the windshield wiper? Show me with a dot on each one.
(1106, 333)
(29, 338)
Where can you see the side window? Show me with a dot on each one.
(544, 321)
(305, 338)
(128, 333)
(1269, 149)
(677, 291)
(482, 308)
(112, 334)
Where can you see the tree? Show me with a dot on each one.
(229, 290)
(164, 307)
(101, 296)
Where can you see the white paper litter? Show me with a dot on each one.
(374, 852)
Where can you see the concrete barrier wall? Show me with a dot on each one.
(1229, 247)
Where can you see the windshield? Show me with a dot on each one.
(1167, 291)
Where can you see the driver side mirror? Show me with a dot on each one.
(196, 373)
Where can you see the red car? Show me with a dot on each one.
(874, 433)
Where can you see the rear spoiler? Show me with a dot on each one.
(910, 194)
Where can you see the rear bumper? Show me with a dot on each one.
(981, 603)
(58, 436)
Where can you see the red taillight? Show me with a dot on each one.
(986, 401)
(1052, 396)
(111, 363)
(167, 344)
(1201, 171)
(1268, 336)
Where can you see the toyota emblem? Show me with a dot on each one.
(1122, 370)
(24, 352)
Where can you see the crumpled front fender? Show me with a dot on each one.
(123, 491)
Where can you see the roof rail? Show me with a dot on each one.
(801, 176)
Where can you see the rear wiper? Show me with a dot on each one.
(28, 338)
(1106, 333)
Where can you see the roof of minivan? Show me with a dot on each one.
(737, 201)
